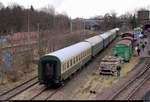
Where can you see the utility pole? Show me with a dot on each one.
(84, 26)
(39, 41)
(28, 23)
(38, 25)
(28, 27)
(70, 25)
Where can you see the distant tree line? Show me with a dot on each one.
(110, 20)
(15, 18)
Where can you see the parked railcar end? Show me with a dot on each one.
(128, 38)
(126, 34)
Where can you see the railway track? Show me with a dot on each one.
(15, 91)
(129, 89)
(41, 94)
(46, 94)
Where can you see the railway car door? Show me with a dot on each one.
(49, 71)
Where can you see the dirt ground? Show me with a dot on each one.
(97, 82)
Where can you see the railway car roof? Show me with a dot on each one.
(129, 33)
(108, 33)
(94, 40)
(115, 29)
(105, 35)
(129, 37)
(70, 51)
(125, 42)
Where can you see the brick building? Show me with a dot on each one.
(143, 16)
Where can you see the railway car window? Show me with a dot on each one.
(86, 53)
(83, 54)
(71, 62)
(74, 60)
(79, 57)
(62, 66)
(65, 66)
(89, 51)
(68, 64)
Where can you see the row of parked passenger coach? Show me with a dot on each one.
(57, 66)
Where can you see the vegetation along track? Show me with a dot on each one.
(129, 89)
(18, 89)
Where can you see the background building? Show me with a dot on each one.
(143, 16)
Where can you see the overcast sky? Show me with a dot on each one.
(84, 8)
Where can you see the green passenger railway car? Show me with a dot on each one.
(58, 66)
(123, 49)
